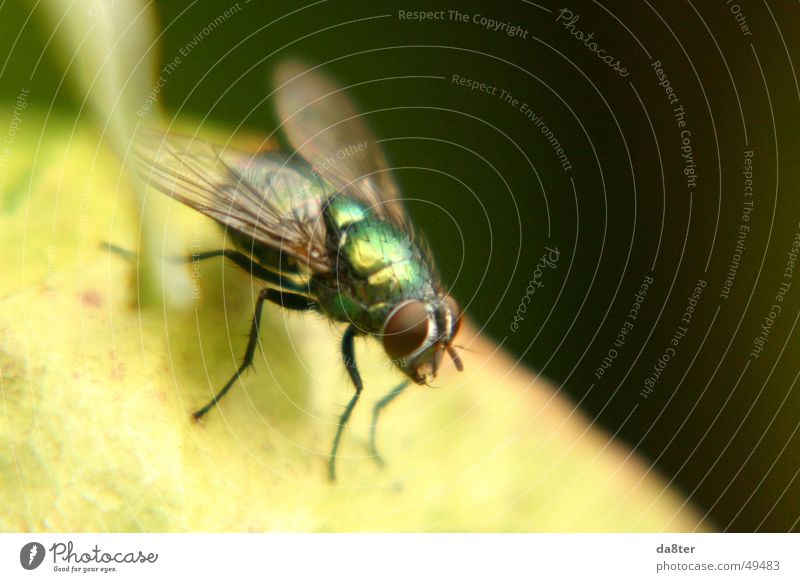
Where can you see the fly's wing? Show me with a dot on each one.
(327, 130)
(261, 196)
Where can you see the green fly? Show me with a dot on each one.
(323, 226)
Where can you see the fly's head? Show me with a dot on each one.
(416, 334)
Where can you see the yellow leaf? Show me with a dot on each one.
(97, 396)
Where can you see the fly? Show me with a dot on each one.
(323, 227)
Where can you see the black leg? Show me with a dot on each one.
(348, 355)
(286, 300)
(246, 264)
(130, 255)
(376, 411)
(240, 259)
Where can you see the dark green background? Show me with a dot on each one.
(491, 195)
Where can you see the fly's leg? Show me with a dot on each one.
(240, 259)
(130, 255)
(376, 412)
(348, 355)
(246, 264)
(287, 300)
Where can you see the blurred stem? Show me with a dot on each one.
(109, 52)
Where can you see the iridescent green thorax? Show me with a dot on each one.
(378, 265)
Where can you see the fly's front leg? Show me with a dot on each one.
(287, 300)
(376, 411)
(349, 357)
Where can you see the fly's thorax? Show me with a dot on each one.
(370, 246)
(367, 300)
(341, 211)
(378, 252)
(377, 266)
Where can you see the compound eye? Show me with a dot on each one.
(455, 314)
(406, 329)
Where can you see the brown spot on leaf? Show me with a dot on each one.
(91, 298)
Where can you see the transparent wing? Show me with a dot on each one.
(263, 196)
(327, 130)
